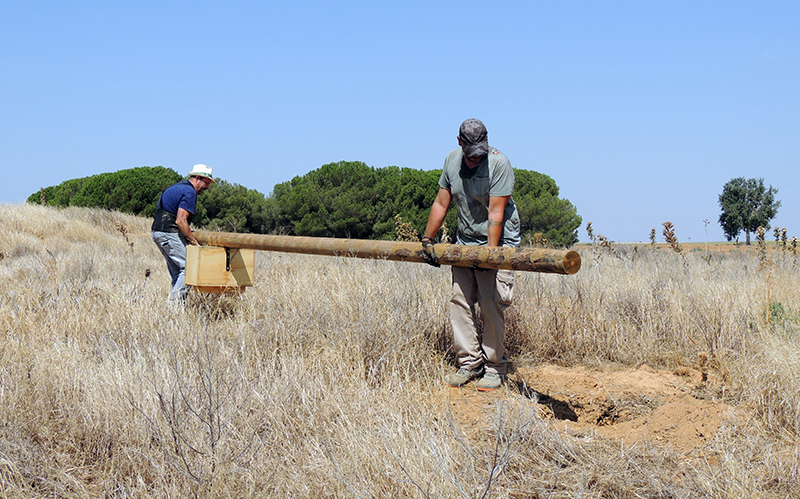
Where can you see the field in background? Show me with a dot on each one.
(324, 379)
(723, 246)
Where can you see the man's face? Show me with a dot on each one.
(201, 184)
(471, 161)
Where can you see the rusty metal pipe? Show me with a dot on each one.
(502, 257)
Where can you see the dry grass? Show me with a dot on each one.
(323, 380)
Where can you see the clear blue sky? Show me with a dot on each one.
(640, 111)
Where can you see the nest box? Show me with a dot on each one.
(213, 269)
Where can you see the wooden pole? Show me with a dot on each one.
(502, 257)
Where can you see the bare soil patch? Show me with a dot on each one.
(675, 409)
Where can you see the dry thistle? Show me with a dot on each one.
(124, 231)
(669, 237)
(445, 237)
(653, 236)
(594, 240)
(762, 246)
(41, 196)
(703, 361)
(538, 240)
(404, 231)
(606, 244)
(590, 231)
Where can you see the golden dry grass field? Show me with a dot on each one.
(647, 374)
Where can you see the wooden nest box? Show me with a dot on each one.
(213, 269)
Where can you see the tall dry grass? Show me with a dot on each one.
(324, 379)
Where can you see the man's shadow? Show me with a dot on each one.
(561, 409)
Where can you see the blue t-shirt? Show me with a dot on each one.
(180, 195)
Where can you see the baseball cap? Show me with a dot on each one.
(474, 137)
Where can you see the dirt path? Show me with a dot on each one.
(676, 409)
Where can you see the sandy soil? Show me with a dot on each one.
(678, 409)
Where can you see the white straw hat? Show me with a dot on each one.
(201, 171)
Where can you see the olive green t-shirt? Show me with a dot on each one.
(471, 188)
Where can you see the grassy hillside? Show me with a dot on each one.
(324, 379)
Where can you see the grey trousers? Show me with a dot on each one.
(492, 291)
(173, 247)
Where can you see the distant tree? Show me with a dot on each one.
(746, 205)
(344, 199)
(351, 199)
(409, 193)
(230, 207)
(335, 200)
(541, 211)
(224, 207)
(134, 190)
(59, 195)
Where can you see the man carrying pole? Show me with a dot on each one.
(170, 229)
(480, 180)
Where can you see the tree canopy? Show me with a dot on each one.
(135, 190)
(746, 205)
(227, 207)
(347, 199)
(541, 211)
(351, 199)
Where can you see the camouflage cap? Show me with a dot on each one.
(474, 137)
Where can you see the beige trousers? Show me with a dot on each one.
(492, 291)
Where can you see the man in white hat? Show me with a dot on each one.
(171, 231)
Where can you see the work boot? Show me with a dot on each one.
(462, 377)
(490, 381)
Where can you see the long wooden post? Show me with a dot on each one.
(526, 259)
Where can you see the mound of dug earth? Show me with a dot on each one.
(678, 409)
